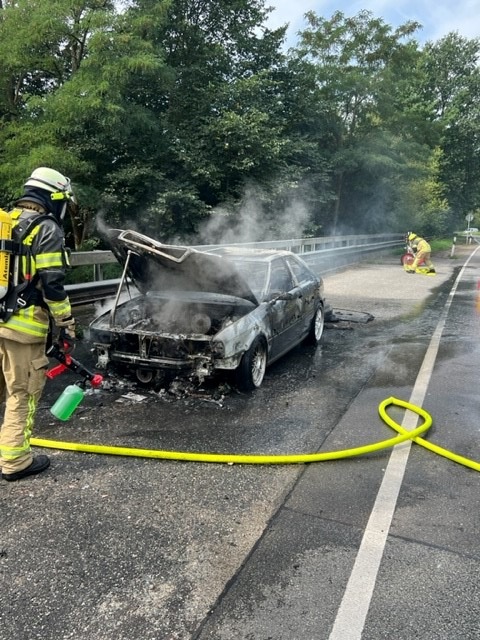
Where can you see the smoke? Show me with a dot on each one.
(256, 220)
(103, 227)
(258, 216)
(100, 225)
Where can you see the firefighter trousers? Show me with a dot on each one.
(422, 255)
(22, 379)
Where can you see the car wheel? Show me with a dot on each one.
(315, 333)
(251, 370)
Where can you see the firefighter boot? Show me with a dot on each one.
(39, 464)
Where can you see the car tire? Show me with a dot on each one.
(251, 370)
(315, 333)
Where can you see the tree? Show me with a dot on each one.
(357, 63)
(166, 113)
(426, 194)
(70, 108)
(221, 124)
(452, 85)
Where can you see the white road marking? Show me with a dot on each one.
(355, 604)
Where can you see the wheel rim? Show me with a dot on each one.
(259, 362)
(319, 324)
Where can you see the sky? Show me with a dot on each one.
(438, 17)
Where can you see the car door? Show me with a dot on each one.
(304, 278)
(284, 314)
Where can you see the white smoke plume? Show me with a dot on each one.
(249, 222)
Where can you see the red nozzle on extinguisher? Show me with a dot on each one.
(67, 362)
(96, 381)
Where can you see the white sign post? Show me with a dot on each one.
(468, 218)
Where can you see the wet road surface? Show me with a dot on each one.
(106, 547)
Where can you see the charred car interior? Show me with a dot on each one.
(196, 313)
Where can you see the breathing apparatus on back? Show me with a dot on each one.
(46, 192)
(5, 251)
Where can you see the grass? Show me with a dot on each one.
(441, 244)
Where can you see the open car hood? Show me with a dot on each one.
(154, 266)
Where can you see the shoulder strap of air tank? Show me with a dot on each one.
(24, 229)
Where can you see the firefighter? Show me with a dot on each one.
(423, 252)
(23, 336)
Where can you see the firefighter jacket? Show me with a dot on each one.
(421, 245)
(45, 268)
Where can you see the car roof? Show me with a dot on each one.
(265, 255)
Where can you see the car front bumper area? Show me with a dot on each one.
(175, 353)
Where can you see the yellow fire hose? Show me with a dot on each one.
(402, 436)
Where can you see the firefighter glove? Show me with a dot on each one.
(67, 329)
(70, 332)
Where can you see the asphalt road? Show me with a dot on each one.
(385, 545)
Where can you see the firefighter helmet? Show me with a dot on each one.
(50, 180)
(58, 190)
(412, 236)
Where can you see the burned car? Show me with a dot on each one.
(197, 313)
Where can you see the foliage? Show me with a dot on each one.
(185, 118)
(359, 64)
(452, 85)
(434, 217)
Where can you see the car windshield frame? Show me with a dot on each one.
(255, 272)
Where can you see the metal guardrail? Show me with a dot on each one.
(90, 292)
(322, 254)
(319, 244)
